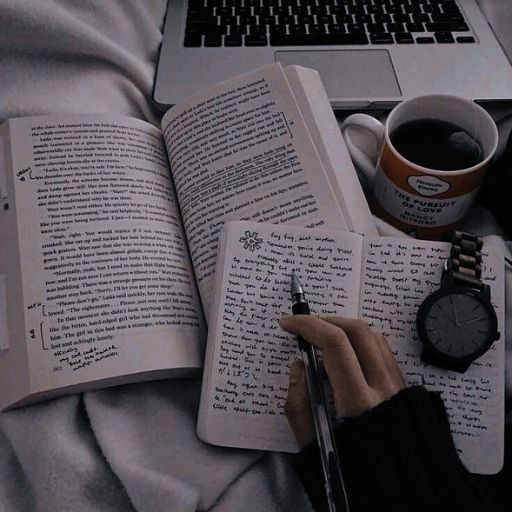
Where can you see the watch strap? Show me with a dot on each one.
(464, 264)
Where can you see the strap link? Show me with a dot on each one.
(465, 261)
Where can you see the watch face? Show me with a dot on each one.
(459, 325)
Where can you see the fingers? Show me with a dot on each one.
(373, 353)
(352, 394)
(339, 359)
(297, 408)
(358, 361)
(391, 364)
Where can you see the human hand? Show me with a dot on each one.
(359, 364)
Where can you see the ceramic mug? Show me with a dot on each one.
(419, 200)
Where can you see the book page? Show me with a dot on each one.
(107, 282)
(4, 207)
(245, 379)
(241, 150)
(397, 275)
(324, 129)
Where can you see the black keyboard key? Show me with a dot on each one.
(412, 8)
(306, 20)
(344, 18)
(420, 18)
(318, 9)
(465, 39)
(242, 11)
(281, 11)
(401, 18)
(356, 28)
(260, 30)
(394, 9)
(444, 37)
(192, 41)
(336, 29)
(193, 29)
(248, 20)
(404, 38)
(268, 20)
(297, 29)
(375, 9)
(209, 20)
(317, 29)
(287, 19)
(224, 11)
(381, 38)
(277, 29)
(373, 28)
(447, 18)
(395, 27)
(383, 18)
(214, 30)
(447, 27)
(450, 7)
(339, 10)
(415, 27)
(228, 20)
(299, 10)
(325, 18)
(232, 40)
(212, 40)
(238, 30)
(363, 18)
(318, 39)
(256, 41)
(356, 9)
(425, 40)
(196, 15)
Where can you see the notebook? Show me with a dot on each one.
(369, 53)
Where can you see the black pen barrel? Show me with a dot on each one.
(301, 308)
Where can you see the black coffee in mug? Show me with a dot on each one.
(436, 144)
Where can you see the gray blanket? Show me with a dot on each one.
(130, 448)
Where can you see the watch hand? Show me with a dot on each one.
(471, 320)
(455, 312)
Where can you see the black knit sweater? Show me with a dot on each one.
(400, 457)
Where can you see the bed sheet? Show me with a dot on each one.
(129, 448)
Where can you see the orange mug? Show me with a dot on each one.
(422, 199)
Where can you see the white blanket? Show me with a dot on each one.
(130, 448)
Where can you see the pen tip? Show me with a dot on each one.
(296, 287)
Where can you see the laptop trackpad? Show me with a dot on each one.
(349, 73)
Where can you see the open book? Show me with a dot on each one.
(382, 280)
(107, 252)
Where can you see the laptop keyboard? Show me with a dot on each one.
(234, 23)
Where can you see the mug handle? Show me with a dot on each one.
(363, 161)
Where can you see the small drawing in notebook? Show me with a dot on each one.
(251, 240)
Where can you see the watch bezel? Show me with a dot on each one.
(428, 303)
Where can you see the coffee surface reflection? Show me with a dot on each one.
(436, 144)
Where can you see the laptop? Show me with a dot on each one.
(369, 53)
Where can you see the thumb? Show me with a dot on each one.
(297, 408)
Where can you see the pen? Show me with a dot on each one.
(334, 485)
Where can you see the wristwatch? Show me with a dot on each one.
(457, 323)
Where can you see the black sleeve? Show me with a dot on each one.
(398, 456)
